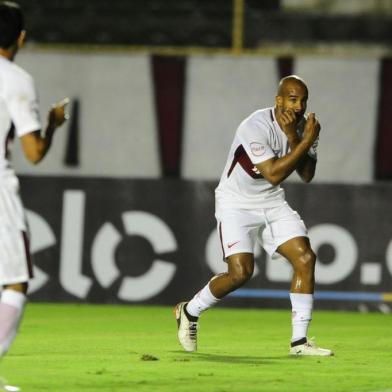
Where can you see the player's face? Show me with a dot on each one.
(295, 98)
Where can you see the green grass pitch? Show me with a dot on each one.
(88, 348)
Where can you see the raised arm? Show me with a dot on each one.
(34, 144)
(275, 170)
(307, 168)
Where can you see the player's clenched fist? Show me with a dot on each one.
(312, 128)
(289, 122)
(57, 114)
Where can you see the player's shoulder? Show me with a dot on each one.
(14, 74)
(258, 120)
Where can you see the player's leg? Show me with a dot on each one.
(239, 270)
(12, 302)
(286, 234)
(300, 255)
(237, 231)
(15, 265)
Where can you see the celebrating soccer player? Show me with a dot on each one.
(268, 146)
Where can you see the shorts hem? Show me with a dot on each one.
(236, 251)
(5, 282)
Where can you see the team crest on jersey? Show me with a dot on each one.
(257, 149)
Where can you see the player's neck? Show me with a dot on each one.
(9, 54)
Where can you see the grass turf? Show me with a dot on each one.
(133, 348)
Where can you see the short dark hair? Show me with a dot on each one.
(11, 23)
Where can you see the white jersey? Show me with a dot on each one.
(258, 138)
(18, 109)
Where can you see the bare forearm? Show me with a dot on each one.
(307, 168)
(36, 146)
(281, 168)
(45, 142)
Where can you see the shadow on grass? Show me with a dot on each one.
(225, 358)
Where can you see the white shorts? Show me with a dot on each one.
(15, 261)
(239, 229)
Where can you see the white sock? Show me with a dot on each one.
(11, 310)
(302, 306)
(202, 301)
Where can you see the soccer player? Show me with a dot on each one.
(268, 146)
(19, 117)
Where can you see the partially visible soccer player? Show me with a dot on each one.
(19, 116)
(250, 206)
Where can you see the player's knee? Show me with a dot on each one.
(241, 276)
(306, 261)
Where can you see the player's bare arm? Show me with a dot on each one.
(275, 170)
(35, 145)
(306, 167)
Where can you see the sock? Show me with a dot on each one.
(302, 305)
(203, 300)
(11, 310)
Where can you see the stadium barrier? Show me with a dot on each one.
(155, 242)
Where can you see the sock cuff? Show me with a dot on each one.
(297, 342)
(202, 301)
(301, 301)
(13, 298)
(210, 295)
(189, 316)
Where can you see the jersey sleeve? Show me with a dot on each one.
(254, 138)
(23, 105)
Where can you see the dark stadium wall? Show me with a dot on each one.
(285, 66)
(383, 151)
(155, 242)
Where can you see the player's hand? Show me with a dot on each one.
(58, 114)
(289, 123)
(312, 129)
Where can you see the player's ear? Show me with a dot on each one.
(21, 39)
(279, 101)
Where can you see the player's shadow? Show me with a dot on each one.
(240, 359)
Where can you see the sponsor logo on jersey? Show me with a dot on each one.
(257, 149)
